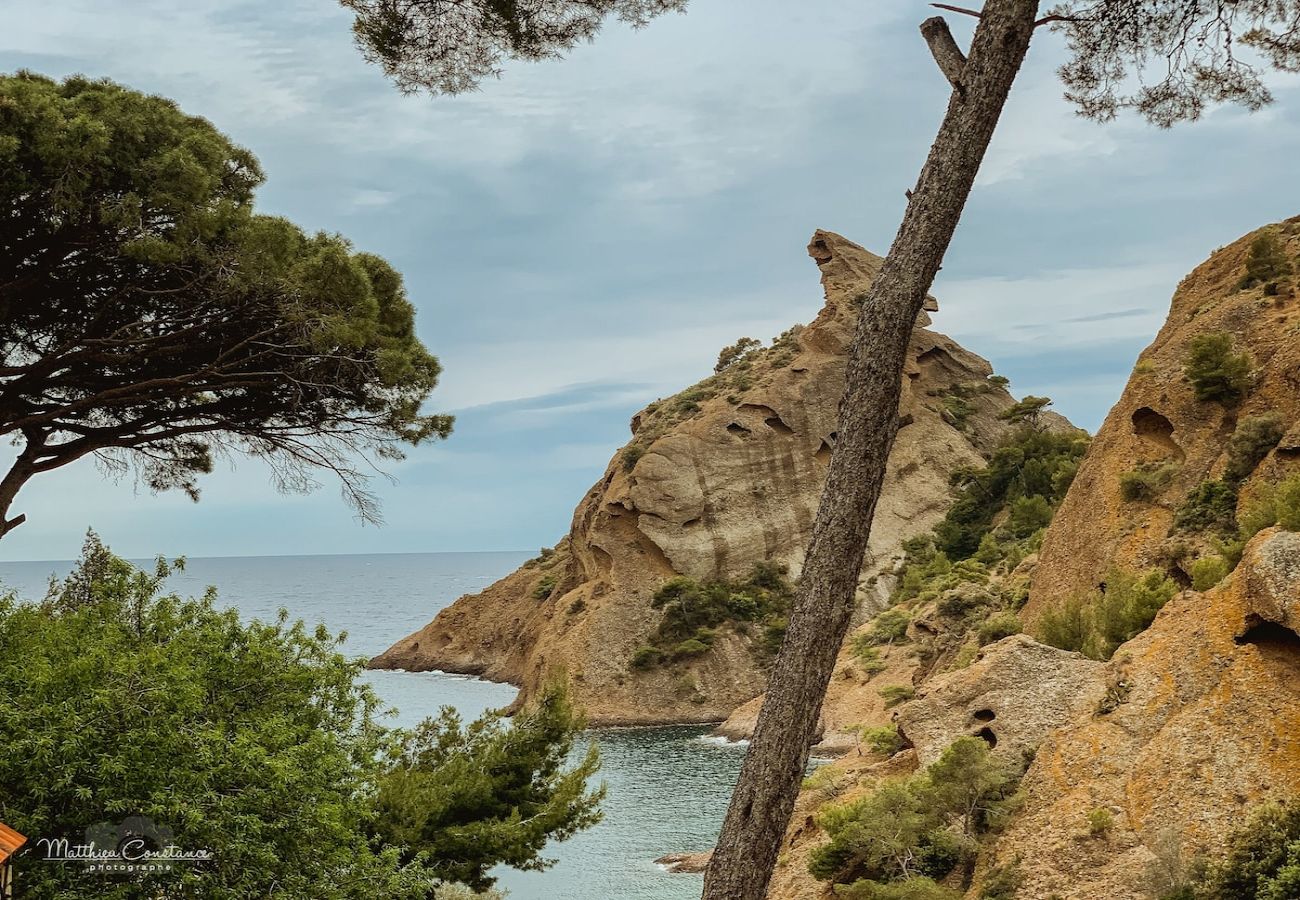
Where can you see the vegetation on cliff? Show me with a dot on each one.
(256, 741)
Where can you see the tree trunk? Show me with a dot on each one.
(17, 476)
(760, 808)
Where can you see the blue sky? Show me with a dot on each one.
(582, 236)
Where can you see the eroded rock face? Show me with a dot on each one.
(722, 476)
(1158, 420)
(1012, 696)
(1210, 727)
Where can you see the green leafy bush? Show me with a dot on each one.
(1217, 371)
(919, 827)
(998, 626)
(1100, 821)
(258, 741)
(545, 587)
(1211, 507)
(894, 694)
(631, 455)
(1147, 481)
(882, 740)
(692, 610)
(1266, 261)
(1208, 571)
(1096, 623)
(1253, 439)
(1263, 859)
(736, 352)
(918, 887)
(866, 654)
(889, 627)
(1002, 882)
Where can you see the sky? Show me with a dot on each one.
(581, 236)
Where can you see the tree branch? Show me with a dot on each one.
(958, 9)
(944, 49)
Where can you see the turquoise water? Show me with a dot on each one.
(667, 787)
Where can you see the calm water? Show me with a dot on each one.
(668, 787)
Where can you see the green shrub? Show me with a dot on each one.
(1211, 507)
(1028, 514)
(1208, 571)
(1147, 481)
(646, 657)
(889, 627)
(998, 626)
(631, 455)
(1288, 503)
(1266, 262)
(735, 353)
(1097, 623)
(577, 606)
(1263, 859)
(1100, 821)
(918, 887)
(866, 654)
(883, 740)
(1215, 369)
(894, 694)
(545, 587)
(1002, 882)
(925, 825)
(693, 609)
(1253, 439)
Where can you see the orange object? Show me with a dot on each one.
(10, 841)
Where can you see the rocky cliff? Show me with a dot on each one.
(1150, 759)
(715, 479)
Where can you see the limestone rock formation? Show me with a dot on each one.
(1013, 696)
(724, 475)
(1206, 727)
(1159, 421)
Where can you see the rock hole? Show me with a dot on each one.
(737, 429)
(778, 425)
(985, 715)
(1181, 578)
(1155, 429)
(987, 736)
(823, 454)
(1268, 634)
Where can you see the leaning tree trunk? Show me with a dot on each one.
(868, 419)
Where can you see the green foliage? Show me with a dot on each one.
(918, 887)
(1217, 372)
(1028, 464)
(883, 740)
(693, 610)
(577, 606)
(894, 694)
(925, 825)
(186, 326)
(1096, 623)
(1263, 859)
(631, 455)
(1100, 821)
(866, 654)
(545, 587)
(1208, 571)
(1002, 882)
(889, 627)
(998, 626)
(256, 741)
(1147, 481)
(1027, 411)
(732, 354)
(1253, 439)
(1266, 261)
(1210, 507)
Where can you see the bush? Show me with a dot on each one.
(577, 606)
(1216, 371)
(631, 455)
(736, 352)
(693, 609)
(1263, 859)
(1208, 571)
(258, 741)
(1096, 624)
(998, 626)
(925, 825)
(894, 694)
(1147, 481)
(1002, 882)
(866, 654)
(545, 587)
(1253, 439)
(883, 740)
(888, 628)
(918, 887)
(1100, 821)
(1211, 506)
(1266, 261)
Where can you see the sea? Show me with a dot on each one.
(667, 788)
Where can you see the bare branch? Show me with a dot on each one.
(944, 49)
(958, 9)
